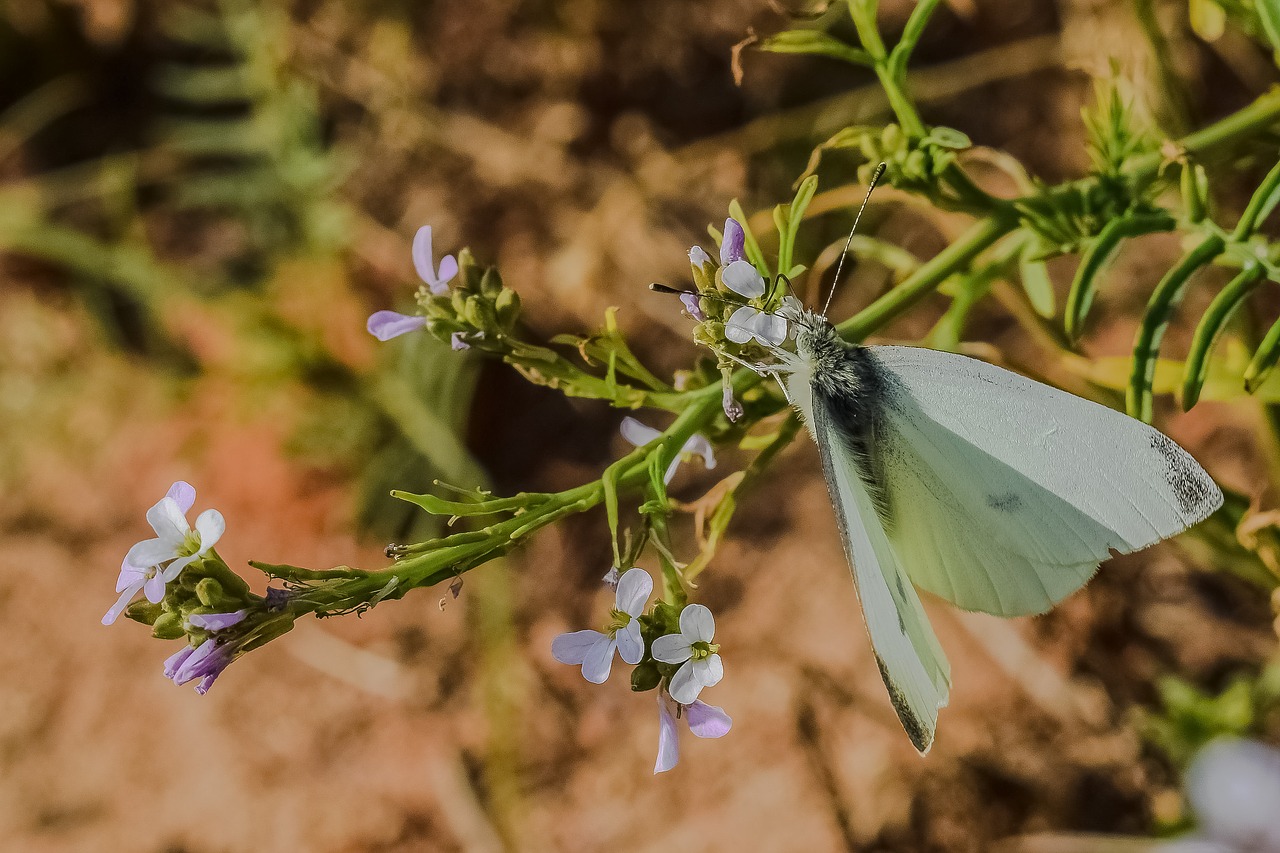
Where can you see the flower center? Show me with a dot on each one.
(617, 621)
(190, 544)
(702, 651)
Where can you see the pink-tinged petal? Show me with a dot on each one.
(175, 568)
(191, 664)
(708, 671)
(668, 737)
(457, 343)
(168, 521)
(771, 329)
(572, 648)
(599, 661)
(611, 577)
(130, 575)
(671, 648)
(175, 661)
(448, 269)
(150, 552)
(670, 473)
(732, 408)
(692, 303)
(685, 687)
(423, 263)
(698, 257)
(741, 325)
(699, 445)
(1234, 789)
(210, 525)
(207, 682)
(385, 325)
(634, 588)
(697, 624)
(637, 433)
(733, 242)
(217, 621)
(630, 643)
(743, 279)
(183, 494)
(154, 588)
(707, 720)
(122, 602)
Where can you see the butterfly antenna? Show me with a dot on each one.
(879, 172)
(662, 288)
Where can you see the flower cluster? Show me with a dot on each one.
(190, 593)
(682, 660)
(735, 283)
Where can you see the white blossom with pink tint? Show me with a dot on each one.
(1233, 787)
(640, 434)
(692, 648)
(593, 650)
(705, 721)
(436, 279)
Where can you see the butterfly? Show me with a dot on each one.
(991, 491)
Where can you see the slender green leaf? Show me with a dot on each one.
(1036, 283)
(1264, 360)
(1260, 205)
(1085, 285)
(817, 43)
(1210, 328)
(1269, 15)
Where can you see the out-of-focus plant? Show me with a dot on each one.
(1139, 183)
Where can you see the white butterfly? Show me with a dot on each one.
(989, 490)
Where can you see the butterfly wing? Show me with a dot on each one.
(1002, 495)
(911, 661)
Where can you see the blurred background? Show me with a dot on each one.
(201, 202)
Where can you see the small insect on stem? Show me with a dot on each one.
(871, 185)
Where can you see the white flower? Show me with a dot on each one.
(593, 650)
(704, 721)
(747, 323)
(640, 434)
(1234, 789)
(693, 648)
(424, 263)
(176, 544)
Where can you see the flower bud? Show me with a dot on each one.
(144, 611)
(458, 299)
(475, 312)
(209, 591)
(168, 627)
(491, 283)
(507, 306)
(645, 677)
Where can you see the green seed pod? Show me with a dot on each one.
(507, 306)
(645, 677)
(144, 611)
(168, 627)
(475, 313)
(209, 591)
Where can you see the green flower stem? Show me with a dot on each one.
(1260, 205)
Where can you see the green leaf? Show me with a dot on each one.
(1269, 15)
(1036, 282)
(788, 218)
(1210, 328)
(1146, 346)
(817, 43)
(1100, 251)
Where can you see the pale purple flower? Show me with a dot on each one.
(698, 257)
(1233, 786)
(385, 325)
(217, 621)
(706, 721)
(278, 598)
(732, 408)
(205, 662)
(747, 323)
(593, 650)
(639, 434)
(152, 563)
(693, 304)
(457, 343)
(610, 578)
(424, 263)
(732, 243)
(692, 647)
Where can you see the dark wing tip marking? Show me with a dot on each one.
(920, 733)
(1197, 494)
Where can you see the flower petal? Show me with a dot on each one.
(210, 525)
(741, 325)
(671, 648)
(168, 521)
(743, 279)
(150, 552)
(708, 671)
(154, 588)
(732, 243)
(668, 737)
(611, 577)
(122, 602)
(385, 325)
(770, 329)
(457, 343)
(184, 494)
(697, 624)
(698, 257)
(192, 662)
(217, 621)
(175, 661)
(129, 575)
(448, 269)
(634, 588)
(637, 433)
(670, 473)
(423, 263)
(707, 720)
(630, 643)
(699, 444)
(1234, 789)
(175, 568)
(599, 660)
(692, 303)
(684, 686)
(732, 408)
(572, 648)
